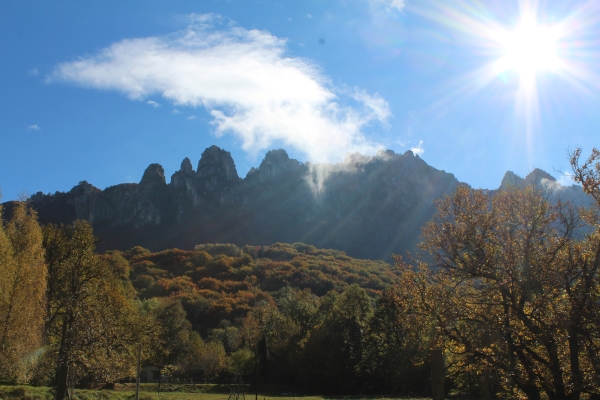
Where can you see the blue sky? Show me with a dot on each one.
(97, 91)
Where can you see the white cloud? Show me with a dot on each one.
(33, 128)
(418, 149)
(244, 79)
(389, 5)
(175, 111)
(565, 179)
(153, 103)
(309, 16)
(191, 117)
(374, 106)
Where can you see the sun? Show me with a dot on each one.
(529, 49)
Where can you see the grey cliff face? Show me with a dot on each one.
(125, 204)
(185, 195)
(368, 206)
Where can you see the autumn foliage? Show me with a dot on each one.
(510, 291)
(506, 283)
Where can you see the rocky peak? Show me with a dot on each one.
(536, 176)
(84, 188)
(276, 163)
(386, 154)
(186, 166)
(275, 157)
(154, 174)
(217, 163)
(511, 179)
(357, 159)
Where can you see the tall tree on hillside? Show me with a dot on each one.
(513, 294)
(91, 325)
(22, 291)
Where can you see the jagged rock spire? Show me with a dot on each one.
(217, 163)
(186, 166)
(154, 174)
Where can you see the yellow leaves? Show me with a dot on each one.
(588, 173)
(508, 281)
(22, 289)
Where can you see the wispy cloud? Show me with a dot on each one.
(565, 179)
(191, 117)
(153, 103)
(33, 128)
(388, 5)
(247, 82)
(175, 111)
(418, 149)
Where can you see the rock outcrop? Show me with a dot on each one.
(553, 189)
(369, 207)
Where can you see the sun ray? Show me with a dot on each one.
(518, 49)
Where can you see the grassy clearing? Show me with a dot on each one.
(147, 392)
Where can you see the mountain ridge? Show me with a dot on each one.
(367, 206)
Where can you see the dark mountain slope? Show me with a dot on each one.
(369, 207)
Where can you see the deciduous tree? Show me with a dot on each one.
(91, 325)
(22, 292)
(512, 293)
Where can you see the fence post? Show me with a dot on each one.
(437, 374)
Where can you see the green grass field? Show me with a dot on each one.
(149, 392)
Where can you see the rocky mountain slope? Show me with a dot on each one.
(554, 190)
(369, 207)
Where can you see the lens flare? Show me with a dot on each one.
(518, 52)
(530, 49)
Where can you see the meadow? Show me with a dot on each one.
(149, 392)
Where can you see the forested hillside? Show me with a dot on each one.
(223, 282)
(309, 319)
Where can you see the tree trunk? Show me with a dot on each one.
(62, 369)
(62, 388)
